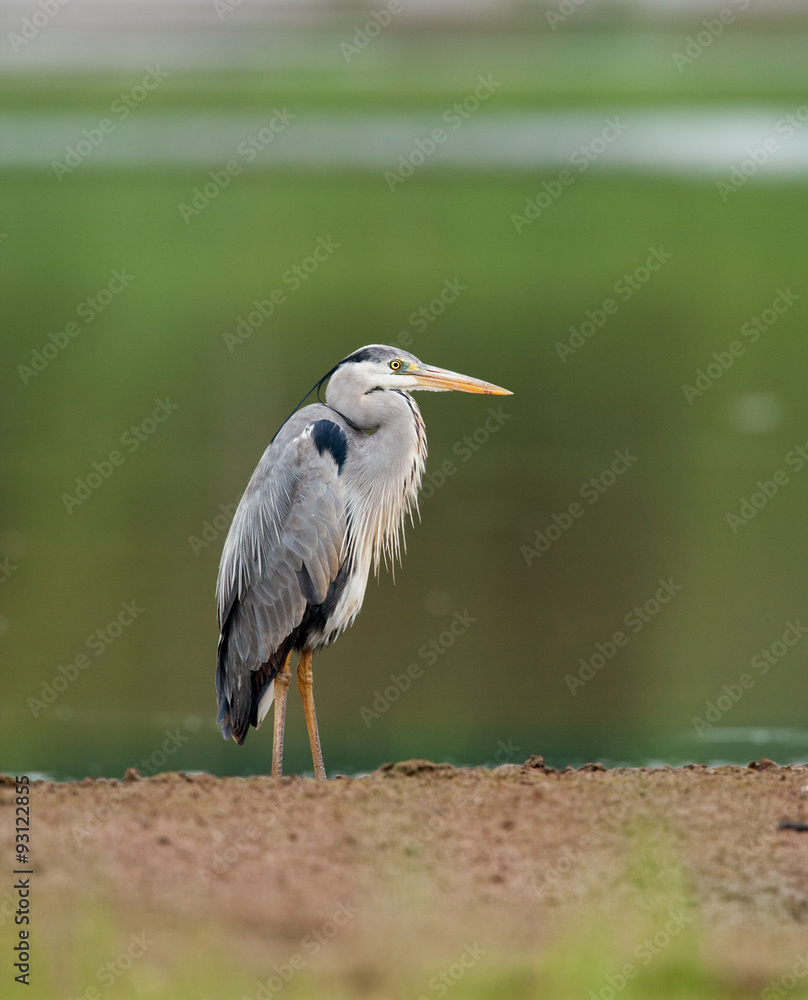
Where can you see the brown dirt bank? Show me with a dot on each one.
(425, 856)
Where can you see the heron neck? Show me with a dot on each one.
(368, 411)
(344, 417)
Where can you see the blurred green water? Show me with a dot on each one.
(139, 537)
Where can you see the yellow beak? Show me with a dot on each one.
(441, 380)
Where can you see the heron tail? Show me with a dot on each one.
(245, 694)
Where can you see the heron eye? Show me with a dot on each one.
(395, 365)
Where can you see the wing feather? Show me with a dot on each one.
(281, 555)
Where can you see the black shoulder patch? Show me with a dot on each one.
(330, 437)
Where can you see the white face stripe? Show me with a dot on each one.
(375, 376)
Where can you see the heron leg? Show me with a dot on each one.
(282, 679)
(305, 683)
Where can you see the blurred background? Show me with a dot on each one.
(600, 205)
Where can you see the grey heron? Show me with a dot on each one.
(327, 499)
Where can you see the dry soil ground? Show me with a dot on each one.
(422, 868)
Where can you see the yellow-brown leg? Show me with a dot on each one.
(305, 683)
(282, 679)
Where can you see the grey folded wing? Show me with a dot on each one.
(281, 555)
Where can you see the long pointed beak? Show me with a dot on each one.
(441, 380)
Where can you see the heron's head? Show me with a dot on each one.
(381, 367)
